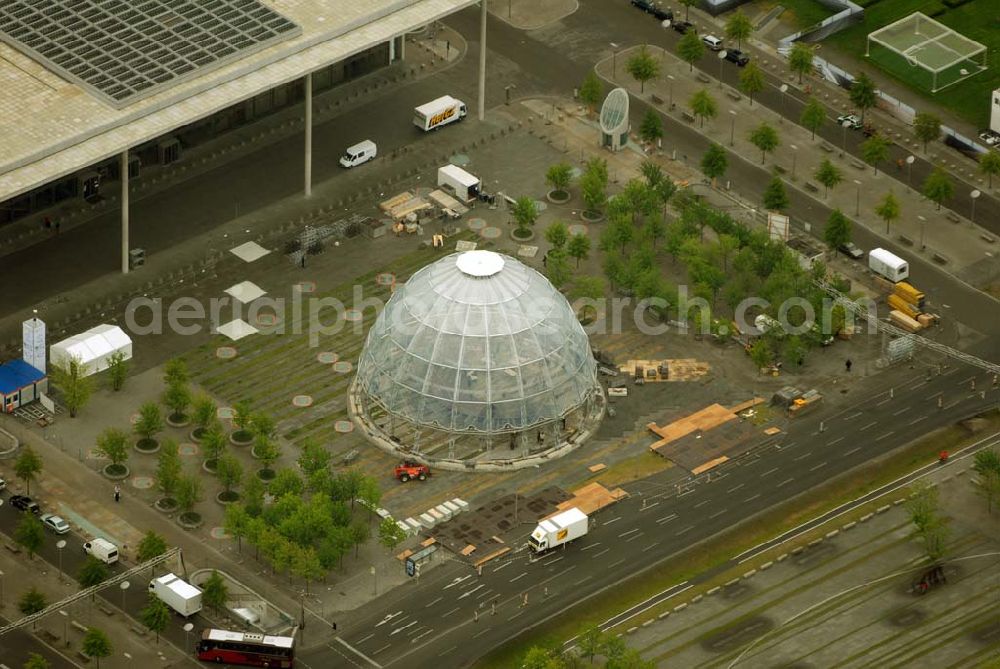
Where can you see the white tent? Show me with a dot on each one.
(93, 348)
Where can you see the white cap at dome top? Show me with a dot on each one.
(480, 263)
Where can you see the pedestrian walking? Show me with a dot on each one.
(303, 260)
(524, 600)
(475, 616)
(546, 592)
(848, 364)
(57, 228)
(545, 259)
(118, 494)
(47, 223)
(493, 607)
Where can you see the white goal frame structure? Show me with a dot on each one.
(918, 33)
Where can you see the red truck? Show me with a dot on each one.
(411, 470)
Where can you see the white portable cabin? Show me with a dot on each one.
(92, 348)
(463, 185)
(888, 265)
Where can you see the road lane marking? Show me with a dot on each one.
(819, 466)
(633, 538)
(552, 562)
(458, 580)
(887, 399)
(469, 592)
(903, 410)
(666, 519)
(487, 593)
(852, 451)
(701, 503)
(608, 522)
(597, 555)
(917, 420)
(387, 618)
(784, 482)
(430, 604)
(480, 633)
(582, 580)
(448, 613)
(421, 635)
(887, 434)
(515, 615)
(648, 506)
(853, 416)
(652, 545)
(769, 471)
(360, 654)
(831, 443)
(803, 456)
(684, 530)
(505, 564)
(517, 578)
(750, 499)
(381, 649)
(445, 652)
(593, 545)
(871, 424)
(717, 514)
(940, 392)
(629, 532)
(615, 564)
(400, 629)
(732, 490)
(363, 639)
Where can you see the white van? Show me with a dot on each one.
(102, 549)
(712, 42)
(361, 152)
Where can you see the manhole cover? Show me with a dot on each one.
(142, 482)
(266, 320)
(225, 413)
(302, 400)
(577, 229)
(306, 286)
(219, 533)
(385, 279)
(490, 232)
(352, 315)
(540, 206)
(476, 224)
(225, 352)
(460, 159)
(327, 357)
(342, 366)
(343, 426)
(187, 449)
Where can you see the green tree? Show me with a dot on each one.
(36, 661)
(175, 371)
(117, 370)
(150, 546)
(986, 464)
(775, 198)
(557, 234)
(813, 115)
(703, 105)
(829, 175)
(236, 523)
(253, 496)
(590, 641)
(761, 353)
(617, 235)
(168, 468)
(927, 127)
(800, 59)
(92, 572)
(593, 185)
(557, 268)
(189, 492)
(215, 592)
(863, 94)
(938, 187)
(262, 424)
(369, 493)
(525, 214)
(286, 482)
(390, 534)
(359, 534)
(29, 534)
(739, 27)
(888, 209)
(155, 616)
(266, 450)
(578, 247)
(986, 460)
(795, 351)
(96, 645)
(688, 4)
(306, 565)
(203, 413)
(591, 91)
(923, 505)
(544, 658)
(32, 601)
(935, 539)
(177, 398)
(149, 424)
(590, 289)
(751, 80)
(213, 444)
(690, 48)
(559, 176)
(715, 162)
(838, 229)
(874, 150)
(765, 138)
(75, 387)
(230, 473)
(27, 467)
(113, 444)
(242, 420)
(651, 172)
(989, 164)
(313, 458)
(643, 67)
(651, 128)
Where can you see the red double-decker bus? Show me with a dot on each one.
(252, 650)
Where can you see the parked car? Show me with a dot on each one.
(55, 523)
(851, 250)
(737, 56)
(712, 42)
(25, 503)
(682, 26)
(652, 7)
(850, 120)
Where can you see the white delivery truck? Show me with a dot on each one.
(558, 530)
(462, 185)
(361, 152)
(437, 113)
(888, 265)
(102, 549)
(179, 595)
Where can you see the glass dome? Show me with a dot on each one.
(477, 342)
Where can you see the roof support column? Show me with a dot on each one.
(309, 133)
(482, 60)
(124, 180)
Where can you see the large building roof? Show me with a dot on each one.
(51, 126)
(477, 342)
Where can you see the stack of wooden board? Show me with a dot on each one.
(683, 369)
(402, 205)
(706, 419)
(590, 498)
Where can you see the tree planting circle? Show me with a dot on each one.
(93, 454)
(327, 357)
(353, 315)
(343, 426)
(306, 286)
(225, 353)
(218, 533)
(578, 229)
(490, 232)
(302, 400)
(187, 449)
(342, 366)
(225, 413)
(385, 279)
(267, 319)
(476, 224)
(142, 482)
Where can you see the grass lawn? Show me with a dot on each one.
(719, 549)
(978, 20)
(804, 13)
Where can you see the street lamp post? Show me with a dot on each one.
(722, 59)
(975, 196)
(795, 153)
(65, 626)
(124, 585)
(187, 637)
(670, 78)
(61, 544)
(374, 580)
(1, 589)
(909, 170)
(857, 203)
(843, 139)
(732, 128)
(784, 89)
(922, 221)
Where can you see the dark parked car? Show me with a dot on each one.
(737, 56)
(25, 503)
(682, 26)
(851, 250)
(654, 8)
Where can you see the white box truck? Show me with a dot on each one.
(463, 185)
(179, 595)
(102, 549)
(437, 113)
(888, 265)
(558, 530)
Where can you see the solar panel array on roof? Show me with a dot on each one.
(127, 50)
